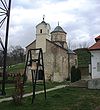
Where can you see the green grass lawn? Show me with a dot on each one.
(63, 99)
(15, 68)
(28, 87)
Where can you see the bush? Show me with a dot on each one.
(78, 73)
(19, 90)
(75, 74)
(24, 78)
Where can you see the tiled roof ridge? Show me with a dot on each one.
(95, 46)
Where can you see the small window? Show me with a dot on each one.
(98, 66)
(48, 30)
(40, 30)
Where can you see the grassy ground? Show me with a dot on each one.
(28, 87)
(14, 68)
(63, 99)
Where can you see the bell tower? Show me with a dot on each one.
(42, 33)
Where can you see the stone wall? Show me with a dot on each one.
(59, 60)
(72, 62)
(31, 46)
(55, 62)
(59, 38)
(94, 83)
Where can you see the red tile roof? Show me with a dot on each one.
(96, 46)
(97, 38)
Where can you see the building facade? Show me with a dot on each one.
(55, 52)
(95, 58)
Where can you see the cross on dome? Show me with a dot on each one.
(58, 23)
(43, 17)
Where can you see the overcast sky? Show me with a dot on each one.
(79, 18)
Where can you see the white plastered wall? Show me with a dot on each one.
(95, 58)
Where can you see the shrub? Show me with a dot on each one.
(78, 73)
(75, 74)
(19, 90)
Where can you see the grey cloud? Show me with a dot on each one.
(23, 37)
(55, 1)
(27, 5)
(86, 19)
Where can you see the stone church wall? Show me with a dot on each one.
(31, 46)
(57, 60)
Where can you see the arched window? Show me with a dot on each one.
(40, 30)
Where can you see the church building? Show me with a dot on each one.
(95, 58)
(55, 52)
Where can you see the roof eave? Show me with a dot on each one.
(58, 31)
(94, 49)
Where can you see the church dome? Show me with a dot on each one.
(58, 29)
(43, 22)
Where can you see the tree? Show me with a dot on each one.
(1, 58)
(16, 54)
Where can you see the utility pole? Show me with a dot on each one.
(7, 9)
